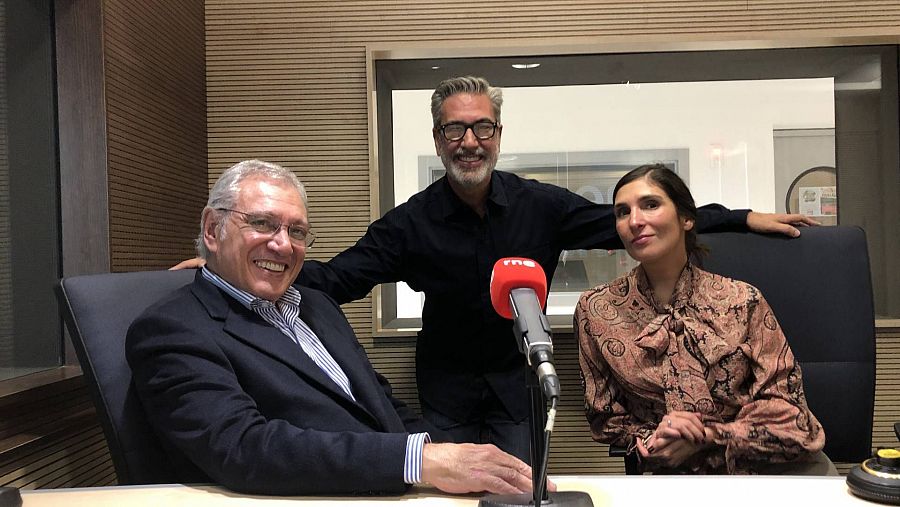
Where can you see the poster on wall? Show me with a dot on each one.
(818, 201)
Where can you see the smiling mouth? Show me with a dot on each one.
(271, 266)
(469, 158)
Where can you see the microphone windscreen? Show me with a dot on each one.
(516, 273)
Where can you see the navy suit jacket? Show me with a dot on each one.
(237, 402)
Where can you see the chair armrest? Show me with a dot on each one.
(620, 452)
(632, 464)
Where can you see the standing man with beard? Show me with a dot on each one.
(444, 242)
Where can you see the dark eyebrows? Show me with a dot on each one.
(460, 122)
(650, 197)
(641, 200)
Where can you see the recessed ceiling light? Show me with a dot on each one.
(435, 67)
(525, 65)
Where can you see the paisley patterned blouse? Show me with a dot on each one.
(716, 349)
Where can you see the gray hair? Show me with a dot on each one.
(225, 192)
(469, 84)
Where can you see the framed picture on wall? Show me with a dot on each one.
(814, 192)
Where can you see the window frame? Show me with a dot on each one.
(382, 78)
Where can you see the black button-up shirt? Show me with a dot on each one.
(438, 245)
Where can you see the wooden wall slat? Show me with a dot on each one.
(79, 454)
(53, 440)
(156, 108)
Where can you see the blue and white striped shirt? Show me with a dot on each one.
(285, 315)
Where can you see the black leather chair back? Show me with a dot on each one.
(98, 310)
(819, 286)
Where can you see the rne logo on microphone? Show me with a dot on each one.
(528, 263)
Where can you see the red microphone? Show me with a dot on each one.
(516, 273)
(519, 292)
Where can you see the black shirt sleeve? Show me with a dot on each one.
(718, 218)
(376, 258)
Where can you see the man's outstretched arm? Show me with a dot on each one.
(781, 223)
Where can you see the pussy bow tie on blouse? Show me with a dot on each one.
(682, 360)
(669, 323)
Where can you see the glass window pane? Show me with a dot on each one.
(811, 129)
(30, 333)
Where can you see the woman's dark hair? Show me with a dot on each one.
(675, 189)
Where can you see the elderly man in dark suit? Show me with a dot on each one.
(261, 386)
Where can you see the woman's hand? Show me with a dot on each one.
(678, 436)
(681, 425)
(670, 452)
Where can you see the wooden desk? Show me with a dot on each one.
(611, 490)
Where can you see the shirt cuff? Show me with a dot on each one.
(737, 219)
(412, 465)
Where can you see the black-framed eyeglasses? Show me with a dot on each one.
(483, 130)
(266, 224)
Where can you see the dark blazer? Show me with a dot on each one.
(237, 402)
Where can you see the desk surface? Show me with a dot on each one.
(604, 490)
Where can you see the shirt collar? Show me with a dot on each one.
(291, 296)
(684, 288)
(453, 205)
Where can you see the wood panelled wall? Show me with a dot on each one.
(156, 126)
(144, 140)
(49, 436)
(286, 82)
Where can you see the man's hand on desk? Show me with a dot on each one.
(467, 468)
(782, 223)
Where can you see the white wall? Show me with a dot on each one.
(736, 116)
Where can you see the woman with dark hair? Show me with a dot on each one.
(687, 368)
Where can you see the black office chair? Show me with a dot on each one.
(98, 310)
(820, 288)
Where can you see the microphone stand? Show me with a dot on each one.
(538, 420)
(538, 474)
